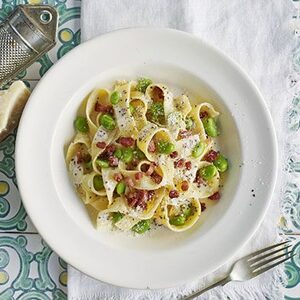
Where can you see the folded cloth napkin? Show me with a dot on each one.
(257, 35)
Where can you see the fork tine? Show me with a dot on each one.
(253, 255)
(259, 258)
(265, 262)
(262, 270)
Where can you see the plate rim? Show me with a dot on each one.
(231, 62)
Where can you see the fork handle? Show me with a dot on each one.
(220, 282)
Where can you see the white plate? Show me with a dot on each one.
(162, 258)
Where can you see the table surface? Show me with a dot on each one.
(29, 269)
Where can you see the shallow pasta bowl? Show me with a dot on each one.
(161, 258)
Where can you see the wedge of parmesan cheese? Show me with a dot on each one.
(12, 102)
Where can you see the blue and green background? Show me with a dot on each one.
(29, 269)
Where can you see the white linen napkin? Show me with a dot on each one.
(257, 35)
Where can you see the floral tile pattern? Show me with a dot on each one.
(12, 214)
(290, 203)
(29, 269)
(292, 270)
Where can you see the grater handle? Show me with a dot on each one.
(25, 35)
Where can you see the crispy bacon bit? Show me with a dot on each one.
(142, 196)
(184, 185)
(198, 180)
(138, 175)
(179, 163)
(203, 206)
(101, 145)
(173, 194)
(118, 177)
(126, 141)
(110, 149)
(129, 182)
(144, 167)
(188, 165)
(156, 177)
(138, 198)
(104, 108)
(148, 115)
(113, 161)
(174, 154)
(79, 157)
(157, 94)
(132, 165)
(133, 202)
(100, 107)
(150, 170)
(132, 199)
(184, 133)
(211, 156)
(215, 196)
(203, 114)
(151, 146)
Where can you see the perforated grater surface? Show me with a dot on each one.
(25, 35)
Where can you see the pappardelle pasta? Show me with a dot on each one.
(142, 156)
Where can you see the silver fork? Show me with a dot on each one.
(252, 265)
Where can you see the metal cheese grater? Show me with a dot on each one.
(25, 35)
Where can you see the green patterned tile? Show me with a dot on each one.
(293, 114)
(13, 216)
(29, 269)
(290, 207)
(290, 203)
(292, 270)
